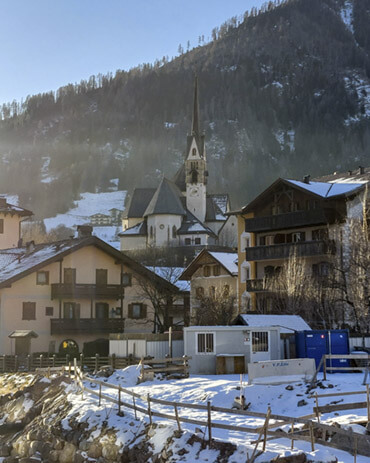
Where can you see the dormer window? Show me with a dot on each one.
(194, 152)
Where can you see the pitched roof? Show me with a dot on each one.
(288, 323)
(216, 207)
(7, 208)
(228, 260)
(179, 178)
(166, 200)
(26, 262)
(139, 202)
(140, 229)
(322, 190)
(192, 225)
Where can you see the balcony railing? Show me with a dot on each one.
(85, 291)
(291, 220)
(256, 286)
(86, 325)
(286, 250)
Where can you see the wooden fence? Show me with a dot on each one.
(354, 442)
(342, 406)
(176, 366)
(13, 363)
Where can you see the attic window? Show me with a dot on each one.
(194, 152)
(216, 270)
(42, 278)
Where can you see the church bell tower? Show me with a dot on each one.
(196, 165)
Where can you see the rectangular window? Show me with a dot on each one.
(29, 311)
(260, 341)
(212, 292)
(206, 270)
(216, 270)
(71, 310)
(205, 343)
(137, 310)
(101, 276)
(197, 241)
(70, 276)
(49, 311)
(42, 278)
(1, 226)
(320, 234)
(126, 279)
(187, 241)
(199, 292)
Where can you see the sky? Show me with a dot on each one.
(46, 44)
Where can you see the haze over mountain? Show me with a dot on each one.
(285, 92)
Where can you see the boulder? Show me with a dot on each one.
(68, 453)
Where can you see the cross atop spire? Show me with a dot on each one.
(195, 124)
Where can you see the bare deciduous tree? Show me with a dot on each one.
(216, 309)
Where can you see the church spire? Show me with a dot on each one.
(195, 124)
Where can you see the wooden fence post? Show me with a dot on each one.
(99, 394)
(142, 368)
(209, 422)
(133, 400)
(96, 362)
(82, 361)
(75, 370)
(28, 362)
(67, 359)
(113, 361)
(149, 409)
(266, 428)
(312, 436)
(317, 408)
(177, 417)
(53, 360)
(119, 399)
(292, 431)
(16, 363)
(41, 356)
(186, 366)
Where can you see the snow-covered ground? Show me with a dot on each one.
(88, 205)
(221, 390)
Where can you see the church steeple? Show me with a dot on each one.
(195, 125)
(196, 165)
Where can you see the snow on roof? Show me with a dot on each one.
(327, 189)
(138, 229)
(288, 323)
(88, 205)
(227, 259)
(172, 275)
(25, 261)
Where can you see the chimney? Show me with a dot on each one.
(306, 179)
(361, 170)
(30, 246)
(3, 202)
(84, 231)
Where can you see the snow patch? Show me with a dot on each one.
(346, 13)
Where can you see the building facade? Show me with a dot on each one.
(180, 212)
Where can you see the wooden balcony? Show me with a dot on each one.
(86, 325)
(286, 250)
(291, 220)
(85, 291)
(256, 286)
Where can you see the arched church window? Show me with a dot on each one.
(194, 176)
(194, 152)
(174, 232)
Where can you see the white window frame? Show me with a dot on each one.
(197, 333)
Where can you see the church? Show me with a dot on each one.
(180, 212)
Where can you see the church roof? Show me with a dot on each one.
(139, 202)
(192, 225)
(140, 229)
(216, 207)
(166, 200)
(179, 178)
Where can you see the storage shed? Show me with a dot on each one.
(229, 349)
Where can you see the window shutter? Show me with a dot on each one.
(77, 311)
(143, 311)
(130, 311)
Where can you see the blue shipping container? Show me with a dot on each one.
(316, 343)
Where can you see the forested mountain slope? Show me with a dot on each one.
(285, 92)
